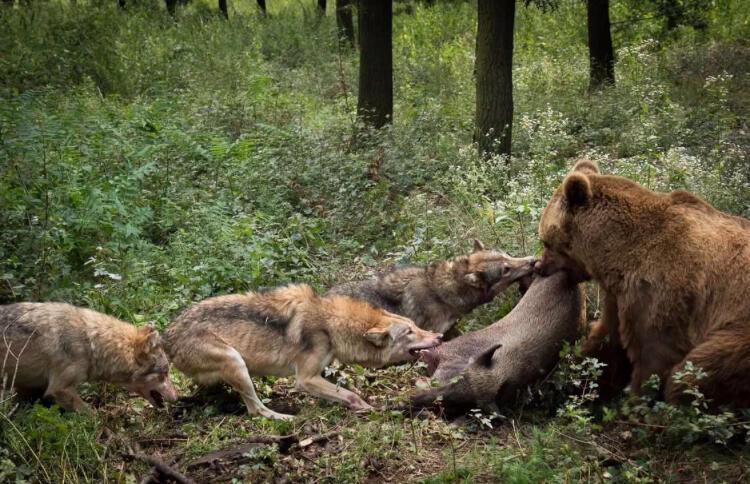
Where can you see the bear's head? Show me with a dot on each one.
(558, 229)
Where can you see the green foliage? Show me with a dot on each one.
(664, 424)
(148, 162)
(49, 446)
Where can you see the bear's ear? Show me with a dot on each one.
(588, 167)
(577, 189)
(478, 245)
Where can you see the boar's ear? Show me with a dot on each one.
(377, 336)
(478, 245)
(577, 189)
(588, 167)
(473, 279)
(485, 358)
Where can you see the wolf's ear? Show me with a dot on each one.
(398, 329)
(377, 336)
(588, 167)
(473, 279)
(577, 189)
(151, 339)
(478, 245)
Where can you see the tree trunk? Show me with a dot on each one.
(494, 71)
(601, 53)
(375, 103)
(171, 4)
(673, 11)
(223, 8)
(262, 6)
(322, 7)
(344, 20)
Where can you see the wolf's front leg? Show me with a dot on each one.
(309, 366)
(320, 387)
(62, 387)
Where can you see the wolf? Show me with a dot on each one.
(288, 330)
(436, 295)
(490, 366)
(54, 347)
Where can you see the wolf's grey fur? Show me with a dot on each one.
(436, 295)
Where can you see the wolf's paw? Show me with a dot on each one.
(268, 413)
(361, 406)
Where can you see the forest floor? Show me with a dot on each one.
(147, 163)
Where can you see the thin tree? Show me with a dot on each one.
(494, 73)
(171, 5)
(344, 20)
(322, 4)
(375, 104)
(223, 8)
(601, 53)
(262, 6)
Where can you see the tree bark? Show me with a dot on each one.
(673, 11)
(322, 4)
(375, 104)
(262, 6)
(494, 71)
(223, 8)
(601, 53)
(345, 20)
(171, 4)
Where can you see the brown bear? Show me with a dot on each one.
(672, 269)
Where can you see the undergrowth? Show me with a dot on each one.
(150, 162)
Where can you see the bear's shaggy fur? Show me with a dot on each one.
(672, 269)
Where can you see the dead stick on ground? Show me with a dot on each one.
(285, 442)
(317, 438)
(162, 467)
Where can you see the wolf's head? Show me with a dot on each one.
(151, 376)
(399, 339)
(492, 271)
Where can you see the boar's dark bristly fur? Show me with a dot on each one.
(491, 365)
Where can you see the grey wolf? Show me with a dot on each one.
(288, 330)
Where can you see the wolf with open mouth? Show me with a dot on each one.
(289, 330)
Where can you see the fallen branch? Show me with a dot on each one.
(162, 468)
(317, 438)
(238, 452)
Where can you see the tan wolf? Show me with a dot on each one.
(288, 330)
(436, 295)
(54, 347)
